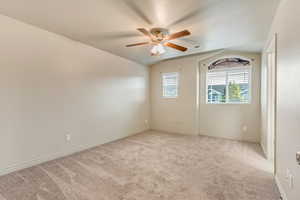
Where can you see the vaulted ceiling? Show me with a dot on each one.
(111, 24)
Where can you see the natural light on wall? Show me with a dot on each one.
(228, 82)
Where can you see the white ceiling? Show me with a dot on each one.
(111, 24)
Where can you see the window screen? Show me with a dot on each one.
(170, 84)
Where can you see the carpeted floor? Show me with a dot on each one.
(149, 166)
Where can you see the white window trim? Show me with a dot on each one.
(162, 85)
(228, 70)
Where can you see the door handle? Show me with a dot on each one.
(298, 157)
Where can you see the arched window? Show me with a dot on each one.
(228, 81)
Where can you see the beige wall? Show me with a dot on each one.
(175, 115)
(188, 114)
(232, 121)
(52, 86)
(286, 25)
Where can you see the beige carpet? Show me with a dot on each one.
(149, 166)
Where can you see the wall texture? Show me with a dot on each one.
(189, 114)
(52, 86)
(286, 24)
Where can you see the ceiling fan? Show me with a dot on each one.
(160, 37)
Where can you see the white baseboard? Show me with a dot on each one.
(281, 190)
(171, 132)
(45, 158)
(42, 159)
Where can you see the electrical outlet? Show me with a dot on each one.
(245, 128)
(146, 122)
(68, 137)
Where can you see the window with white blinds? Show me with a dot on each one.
(170, 84)
(229, 86)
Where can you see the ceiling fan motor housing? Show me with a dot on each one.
(159, 33)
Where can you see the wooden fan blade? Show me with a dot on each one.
(137, 44)
(175, 46)
(179, 34)
(145, 32)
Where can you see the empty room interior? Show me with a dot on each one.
(149, 100)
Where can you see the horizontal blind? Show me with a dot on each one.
(170, 84)
(170, 79)
(216, 78)
(239, 77)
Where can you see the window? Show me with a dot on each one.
(170, 84)
(229, 85)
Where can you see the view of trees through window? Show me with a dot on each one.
(228, 86)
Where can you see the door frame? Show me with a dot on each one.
(271, 69)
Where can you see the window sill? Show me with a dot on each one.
(169, 97)
(228, 103)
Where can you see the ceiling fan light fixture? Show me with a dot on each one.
(158, 49)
